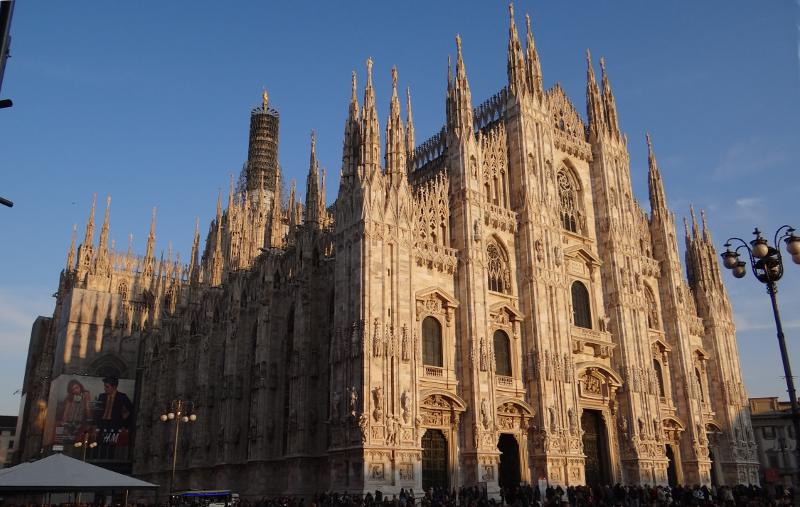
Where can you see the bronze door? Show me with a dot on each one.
(434, 460)
(509, 475)
(595, 447)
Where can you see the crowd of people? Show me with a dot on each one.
(572, 496)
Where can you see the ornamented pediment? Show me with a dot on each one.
(660, 346)
(435, 301)
(504, 315)
(672, 429)
(441, 408)
(580, 253)
(596, 380)
(438, 399)
(515, 407)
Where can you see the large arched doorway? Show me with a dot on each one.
(434, 460)
(595, 446)
(672, 470)
(509, 475)
(714, 477)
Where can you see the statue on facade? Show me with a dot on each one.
(377, 398)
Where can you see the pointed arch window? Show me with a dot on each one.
(502, 353)
(699, 378)
(432, 342)
(659, 377)
(581, 311)
(498, 271)
(122, 290)
(569, 200)
(652, 309)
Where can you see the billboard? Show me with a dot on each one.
(94, 410)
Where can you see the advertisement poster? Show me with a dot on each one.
(91, 410)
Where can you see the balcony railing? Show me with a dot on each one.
(434, 371)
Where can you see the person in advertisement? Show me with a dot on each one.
(113, 413)
(76, 414)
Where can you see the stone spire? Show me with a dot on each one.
(350, 147)
(370, 130)
(533, 67)
(594, 103)
(409, 133)
(194, 261)
(395, 138)
(292, 205)
(275, 235)
(71, 253)
(149, 259)
(101, 260)
(658, 199)
(216, 258)
(609, 104)
(459, 120)
(702, 262)
(516, 66)
(129, 254)
(313, 211)
(88, 238)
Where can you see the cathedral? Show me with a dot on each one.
(488, 307)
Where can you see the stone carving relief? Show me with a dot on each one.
(353, 400)
(406, 404)
(377, 400)
(485, 413)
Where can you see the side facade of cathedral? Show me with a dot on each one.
(489, 307)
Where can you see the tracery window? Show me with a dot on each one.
(659, 377)
(502, 353)
(122, 290)
(499, 273)
(432, 342)
(652, 309)
(581, 311)
(699, 379)
(570, 204)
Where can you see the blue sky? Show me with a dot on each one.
(149, 102)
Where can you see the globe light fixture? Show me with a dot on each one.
(182, 412)
(766, 263)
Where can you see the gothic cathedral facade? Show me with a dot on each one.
(491, 306)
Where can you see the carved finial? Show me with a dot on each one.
(264, 100)
(449, 71)
(603, 64)
(703, 220)
(458, 45)
(313, 140)
(369, 71)
(511, 10)
(394, 80)
(354, 97)
(153, 222)
(528, 23)
(588, 56)
(649, 143)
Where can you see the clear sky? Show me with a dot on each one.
(149, 102)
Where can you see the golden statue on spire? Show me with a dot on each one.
(265, 99)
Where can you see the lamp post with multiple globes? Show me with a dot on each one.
(180, 411)
(766, 263)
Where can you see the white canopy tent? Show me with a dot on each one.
(60, 473)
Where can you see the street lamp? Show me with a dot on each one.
(766, 263)
(180, 411)
(85, 444)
